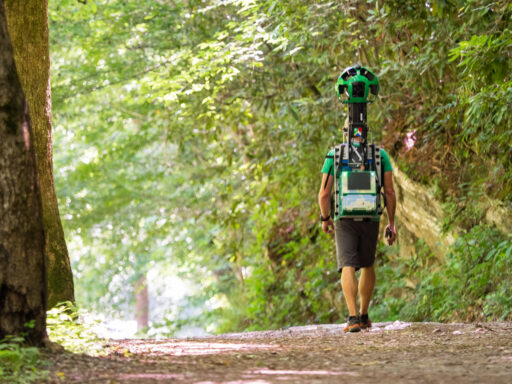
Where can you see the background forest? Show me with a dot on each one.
(189, 138)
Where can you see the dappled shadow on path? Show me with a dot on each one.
(389, 353)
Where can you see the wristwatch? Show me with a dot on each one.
(325, 218)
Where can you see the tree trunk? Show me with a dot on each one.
(28, 28)
(22, 260)
(141, 303)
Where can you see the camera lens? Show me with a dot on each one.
(358, 89)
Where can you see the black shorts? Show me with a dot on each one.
(356, 243)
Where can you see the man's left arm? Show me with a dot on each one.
(389, 192)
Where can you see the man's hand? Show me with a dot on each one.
(328, 226)
(390, 234)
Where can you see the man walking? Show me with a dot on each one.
(356, 228)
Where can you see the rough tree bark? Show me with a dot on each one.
(28, 27)
(22, 260)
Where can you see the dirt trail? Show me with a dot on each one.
(388, 353)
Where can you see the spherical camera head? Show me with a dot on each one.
(357, 84)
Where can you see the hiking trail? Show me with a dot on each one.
(387, 353)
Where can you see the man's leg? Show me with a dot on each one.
(349, 286)
(366, 285)
(347, 254)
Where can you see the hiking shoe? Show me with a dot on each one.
(352, 324)
(365, 322)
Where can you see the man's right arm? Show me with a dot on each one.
(389, 192)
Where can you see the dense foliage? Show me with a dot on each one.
(24, 364)
(189, 136)
(20, 364)
(471, 285)
(67, 327)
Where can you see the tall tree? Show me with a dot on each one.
(141, 303)
(28, 27)
(22, 260)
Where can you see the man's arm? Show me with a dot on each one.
(324, 200)
(389, 192)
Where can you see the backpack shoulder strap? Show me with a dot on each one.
(345, 152)
(378, 165)
(339, 155)
(380, 181)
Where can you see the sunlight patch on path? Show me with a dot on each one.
(235, 382)
(308, 373)
(148, 376)
(285, 375)
(196, 348)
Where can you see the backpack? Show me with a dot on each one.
(357, 192)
